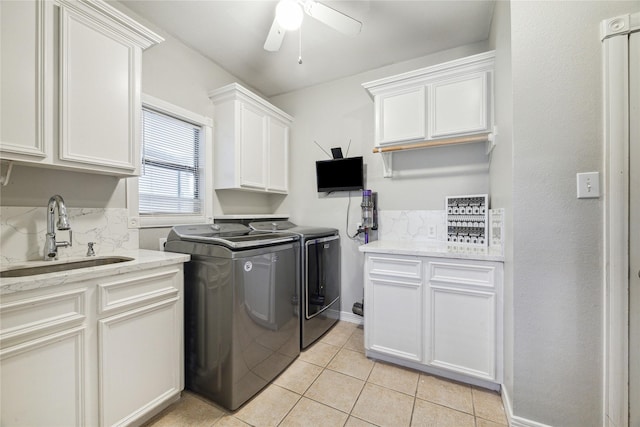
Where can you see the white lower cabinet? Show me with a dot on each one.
(54, 395)
(462, 302)
(394, 293)
(439, 315)
(140, 346)
(102, 352)
(396, 303)
(43, 358)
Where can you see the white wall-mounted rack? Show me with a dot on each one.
(387, 151)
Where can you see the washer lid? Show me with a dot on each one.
(302, 230)
(231, 235)
(271, 225)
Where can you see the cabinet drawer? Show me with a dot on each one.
(462, 274)
(405, 267)
(25, 318)
(136, 290)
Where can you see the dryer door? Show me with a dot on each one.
(322, 274)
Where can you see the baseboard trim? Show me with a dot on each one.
(351, 317)
(515, 421)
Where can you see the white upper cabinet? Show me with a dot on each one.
(278, 156)
(22, 73)
(253, 147)
(400, 115)
(251, 142)
(79, 98)
(443, 101)
(460, 106)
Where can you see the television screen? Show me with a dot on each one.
(340, 174)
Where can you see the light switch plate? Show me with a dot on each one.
(588, 185)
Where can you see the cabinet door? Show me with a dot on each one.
(22, 79)
(394, 318)
(459, 106)
(278, 156)
(43, 381)
(462, 325)
(139, 360)
(400, 116)
(253, 124)
(99, 95)
(462, 331)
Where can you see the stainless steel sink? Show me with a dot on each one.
(63, 266)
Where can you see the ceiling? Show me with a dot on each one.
(232, 34)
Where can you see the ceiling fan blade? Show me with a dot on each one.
(331, 17)
(274, 38)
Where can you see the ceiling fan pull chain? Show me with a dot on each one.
(300, 46)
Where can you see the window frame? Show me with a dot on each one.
(206, 191)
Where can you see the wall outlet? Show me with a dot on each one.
(161, 242)
(432, 231)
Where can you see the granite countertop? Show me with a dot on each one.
(435, 249)
(142, 259)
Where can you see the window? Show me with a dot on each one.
(174, 176)
(170, 183)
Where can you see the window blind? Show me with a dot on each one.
(171, 174)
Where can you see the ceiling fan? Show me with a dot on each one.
(289, 14)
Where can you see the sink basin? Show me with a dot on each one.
(63, 266)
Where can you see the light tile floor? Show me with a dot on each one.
(332, 383)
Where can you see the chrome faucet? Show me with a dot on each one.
(51, 246)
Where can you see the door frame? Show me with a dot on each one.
(615, 37)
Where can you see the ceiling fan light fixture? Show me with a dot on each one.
(289, 14)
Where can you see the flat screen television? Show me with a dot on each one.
(340, 174)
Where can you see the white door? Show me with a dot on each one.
(136, 380)
(621, 49)
(278, 156)
(252, 149)
(43, 381)
(459, 106)
(400, 116)
(21, 80)
(395, 325)
(462, 330)
(97, 93)
(634, 230)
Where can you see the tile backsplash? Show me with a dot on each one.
(23, 229)
(419, 226)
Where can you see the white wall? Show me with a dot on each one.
(558, 293)
(335, 113)
(32, 187)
